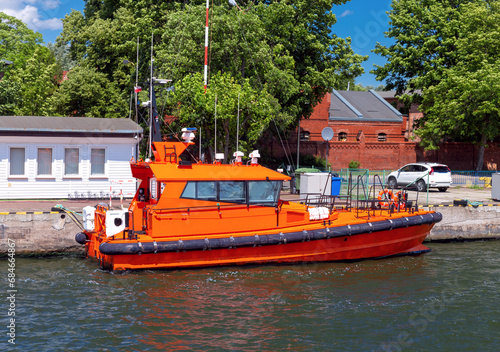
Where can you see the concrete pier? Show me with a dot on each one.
(466, 223)
(39, 231)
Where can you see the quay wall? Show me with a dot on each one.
(53, 233)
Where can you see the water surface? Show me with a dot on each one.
(446, 300)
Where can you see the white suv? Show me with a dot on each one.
(421, 176)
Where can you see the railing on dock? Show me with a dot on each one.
(471, 178)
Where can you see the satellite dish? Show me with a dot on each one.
(327, 133)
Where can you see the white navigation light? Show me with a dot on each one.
(188, 134)
(238, 156)
(255, 157)
(219, 156)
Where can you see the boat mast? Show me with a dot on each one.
(154, 122)
(206, 50)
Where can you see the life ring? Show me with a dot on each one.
(385, 196)
(400, 197)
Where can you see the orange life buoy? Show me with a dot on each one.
(385, 196)
(401, 197)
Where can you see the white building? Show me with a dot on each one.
(66, 157)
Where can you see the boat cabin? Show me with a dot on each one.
(188, 194)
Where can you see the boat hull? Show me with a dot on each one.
(342, 243)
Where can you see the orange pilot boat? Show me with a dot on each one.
(187, 215)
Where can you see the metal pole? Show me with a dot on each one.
(215, 146)
(238, 123)
(206, 50)
(150, 99)
(199, 156)
(136, 82)
(298, 145)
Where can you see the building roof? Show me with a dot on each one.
(361, 106)
(50, 126)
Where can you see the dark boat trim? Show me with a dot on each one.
(262, 240)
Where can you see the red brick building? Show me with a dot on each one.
(366, 129)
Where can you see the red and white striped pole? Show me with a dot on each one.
(206, 50)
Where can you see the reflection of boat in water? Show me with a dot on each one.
(192, 215)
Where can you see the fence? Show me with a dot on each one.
(459, 178)
(471, 178)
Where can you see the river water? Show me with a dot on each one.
(446, 300)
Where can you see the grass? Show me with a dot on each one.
(474, 187)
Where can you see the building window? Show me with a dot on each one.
(382, 137)
(342, 136)
(17, 159)
(304, 136)
(97, 161)
(71, 161)
(44, 161)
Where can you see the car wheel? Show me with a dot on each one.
(391, 183)
(442, 189)
(421, 186)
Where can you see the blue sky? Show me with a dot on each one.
(365, 21)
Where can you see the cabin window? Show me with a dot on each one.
(44, 158)
(71, 161)
(189, 191)
(97, 161)
(17, 160)
(263, 191)
(202, 190)
(232, 191)
(259, 192)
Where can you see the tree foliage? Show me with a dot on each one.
(293, 64)
(89, 93)
(450, 51)
(29, 81)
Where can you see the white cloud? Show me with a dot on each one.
(51, 4)
(346, 13)
(31, 14)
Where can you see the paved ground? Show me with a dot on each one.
(434, 197)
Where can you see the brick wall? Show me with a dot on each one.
(374, 156)
(461, 156)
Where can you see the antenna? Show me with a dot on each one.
(136, 82)
(206, 51)
(215, 146)
(151, 87)
(200, 145)
(238, 123)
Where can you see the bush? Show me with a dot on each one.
(354, 164)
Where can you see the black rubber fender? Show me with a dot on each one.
(81, 237)
(262, 240)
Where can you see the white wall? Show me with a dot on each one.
(117, 176)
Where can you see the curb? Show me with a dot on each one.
(29, 212)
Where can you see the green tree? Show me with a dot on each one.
(61, 53)
(199, 109)
(31, 78)
(450, 50)
(10, 98)
(295, 62)
(89, 93)
(37, 80)
(17, 42)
